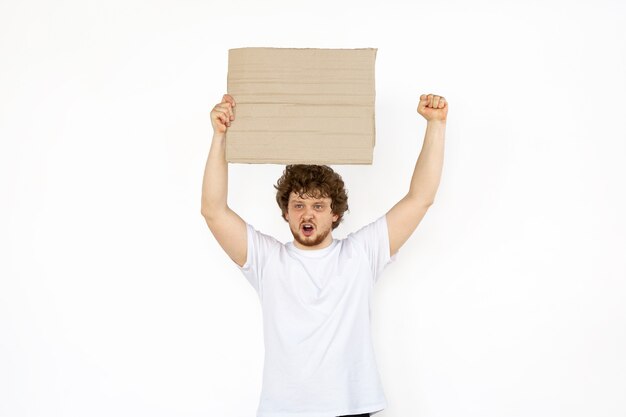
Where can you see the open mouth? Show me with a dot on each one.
(307, 229)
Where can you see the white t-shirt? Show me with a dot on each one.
(319, 358)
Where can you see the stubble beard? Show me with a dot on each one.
(307, 242)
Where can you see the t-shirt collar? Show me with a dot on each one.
(313, 253)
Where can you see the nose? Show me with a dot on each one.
(308, 214)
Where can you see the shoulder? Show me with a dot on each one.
(371, 230)
(261, 248)
(260, 238)
(371, 242)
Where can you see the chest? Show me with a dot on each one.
(341, 277)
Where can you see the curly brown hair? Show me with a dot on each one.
(317, 181)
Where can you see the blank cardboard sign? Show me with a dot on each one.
(301, 106)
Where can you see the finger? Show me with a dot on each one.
(227, 108)
(226, 118)
(221, 115)
(222, 118)
(430, 100)
(423, 101)
(225, 105)
(436, 101)
(219, 120)
(442, 103)
(228, 98)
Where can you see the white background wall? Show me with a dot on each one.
(115, 300)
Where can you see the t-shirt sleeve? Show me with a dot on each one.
(374, 239)
(260, 248)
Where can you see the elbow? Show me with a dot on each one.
(206, 210)
(426, 201)
(211, 212)
(418, 200)
(210, 218)
(207, 213)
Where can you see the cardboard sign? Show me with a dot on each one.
(301, 106)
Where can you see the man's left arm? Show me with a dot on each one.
(403, 218)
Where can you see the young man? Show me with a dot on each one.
(315, 291)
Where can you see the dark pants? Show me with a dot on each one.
(358, 415)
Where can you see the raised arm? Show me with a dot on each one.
(228, 228)
(403, 218)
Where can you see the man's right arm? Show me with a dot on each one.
(229, 229)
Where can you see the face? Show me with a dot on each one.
(310, 220)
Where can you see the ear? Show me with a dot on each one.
(286, 216)
(335, 217)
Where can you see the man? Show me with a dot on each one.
(315, 291)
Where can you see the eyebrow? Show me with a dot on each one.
(314, 202)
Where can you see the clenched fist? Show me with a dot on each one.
(222, 114)
(433, 107)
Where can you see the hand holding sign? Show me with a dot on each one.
(223, 114)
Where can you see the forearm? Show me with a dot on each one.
(427, 173)
(215, 182)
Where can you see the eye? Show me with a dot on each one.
(318, 206)
(297, 206)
